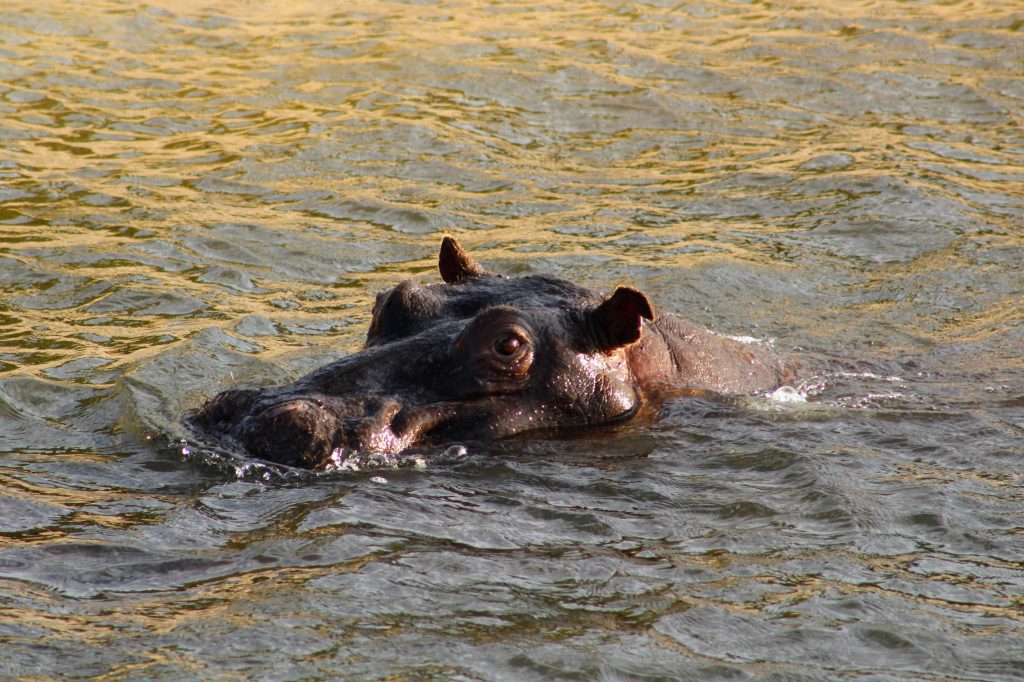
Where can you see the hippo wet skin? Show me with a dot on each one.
(481, 356)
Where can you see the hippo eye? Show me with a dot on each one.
(495, 351)
(511, 354)
(507, 345)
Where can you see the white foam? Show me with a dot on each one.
(869, 375)
(751, 340)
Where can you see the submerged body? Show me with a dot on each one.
(481, 356)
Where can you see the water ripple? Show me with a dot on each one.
(195, 197)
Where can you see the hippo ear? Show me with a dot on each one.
(455, 264)
(618, 320)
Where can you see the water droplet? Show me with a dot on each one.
(456, 451)
(787, 394)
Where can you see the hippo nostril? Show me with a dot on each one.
(225, 407)
(296, 433)
(382, 410)
(409, 426)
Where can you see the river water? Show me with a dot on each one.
(195, 195)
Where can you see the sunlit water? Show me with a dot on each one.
(195, 195)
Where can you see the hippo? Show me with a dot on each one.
(481, 356)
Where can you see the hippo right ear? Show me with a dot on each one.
(455, 264)
(619, 319)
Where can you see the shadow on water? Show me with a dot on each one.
(195, 197)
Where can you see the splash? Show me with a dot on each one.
(225, 463)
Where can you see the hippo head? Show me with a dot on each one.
(477, 356)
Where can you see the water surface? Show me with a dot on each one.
(195, 195)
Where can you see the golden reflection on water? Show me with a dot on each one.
(566, 130)
(692, 136)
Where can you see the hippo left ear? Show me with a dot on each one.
(455, 264)
(618, 320)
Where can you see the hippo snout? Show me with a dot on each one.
(297, 433)
(307, 431)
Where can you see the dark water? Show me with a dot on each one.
(197, 194)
